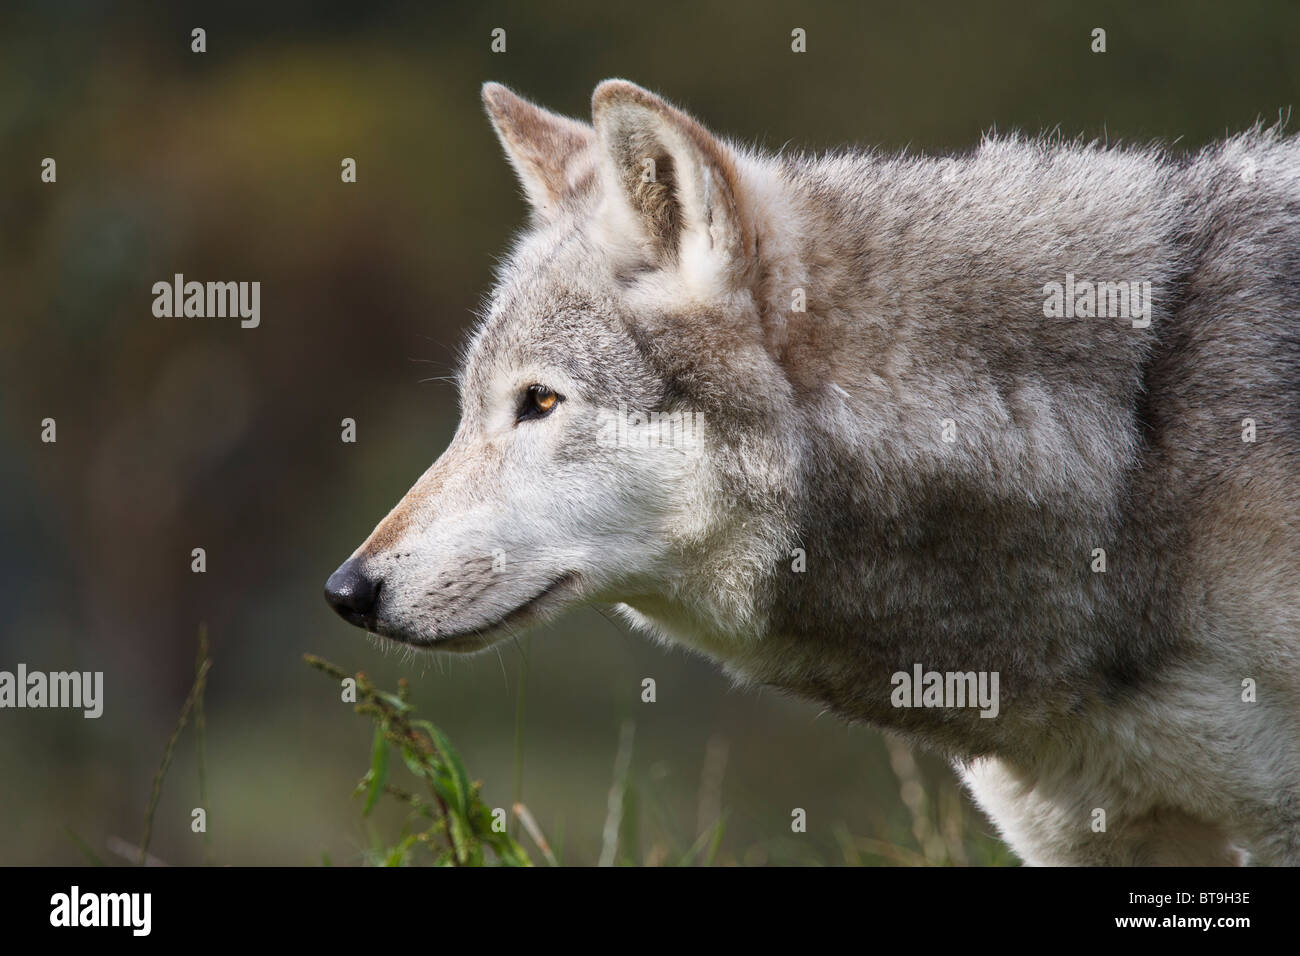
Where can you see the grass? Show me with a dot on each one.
(194, 703)
(449, 824)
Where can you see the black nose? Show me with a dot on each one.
(352, 592)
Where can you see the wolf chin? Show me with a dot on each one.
(905, 461)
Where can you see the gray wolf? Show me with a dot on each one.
(1032, 412)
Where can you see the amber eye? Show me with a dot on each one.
(538, 401)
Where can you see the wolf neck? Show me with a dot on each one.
(960, 457)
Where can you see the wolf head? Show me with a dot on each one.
(612, 399)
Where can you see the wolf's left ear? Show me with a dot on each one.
(550, 153)
(679, 181)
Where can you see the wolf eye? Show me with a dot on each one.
(538, 402)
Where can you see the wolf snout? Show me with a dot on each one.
(353, 593)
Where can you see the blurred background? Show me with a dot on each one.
(182, 433)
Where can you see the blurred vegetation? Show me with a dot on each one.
(175, 434)
(456, 826)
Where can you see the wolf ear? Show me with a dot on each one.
(678, 179)
(550, 153)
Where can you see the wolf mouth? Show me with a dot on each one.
(521, 611)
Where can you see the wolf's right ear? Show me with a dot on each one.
(550, 153)
(678, 180)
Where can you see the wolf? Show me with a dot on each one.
(906, 456)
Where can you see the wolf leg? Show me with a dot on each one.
(1057, 823)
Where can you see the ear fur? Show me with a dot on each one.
(551, 154)
(679, 181)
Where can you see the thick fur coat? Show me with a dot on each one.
(911, 455)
